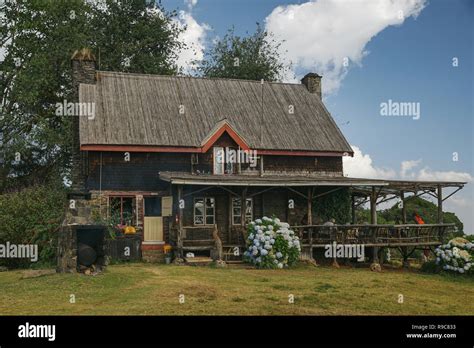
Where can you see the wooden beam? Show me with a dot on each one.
(310, 206)
(373, 206)
(243, 207)
(404, 210)
(440, 204)
(452, 193)
(180, 222)
(328, 192)
(296, 191)
(353, 210)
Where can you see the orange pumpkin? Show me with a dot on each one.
(129, 230)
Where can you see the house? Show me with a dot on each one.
(189, 161)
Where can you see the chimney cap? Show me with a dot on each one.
(311, 74)
(83, 54)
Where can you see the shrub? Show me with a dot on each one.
(271, 244)
(32, 216)
(430, 267)
(456, 256)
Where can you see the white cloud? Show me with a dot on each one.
(320, 35)
(427, 175)
(360, 166)
(193, 37)
(407, 166)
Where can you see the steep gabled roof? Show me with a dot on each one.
(144, 110)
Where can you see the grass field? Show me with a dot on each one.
(144, 289)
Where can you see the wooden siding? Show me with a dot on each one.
(140, 173)
(302, 164)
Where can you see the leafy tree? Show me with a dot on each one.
(253, 57)
(39, 38)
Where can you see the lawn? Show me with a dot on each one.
(145, 289)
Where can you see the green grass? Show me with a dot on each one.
(144, 289)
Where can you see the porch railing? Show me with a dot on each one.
(373, 235)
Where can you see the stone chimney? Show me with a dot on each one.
(312, 81)
(83, 71)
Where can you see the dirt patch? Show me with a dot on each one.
(35, 273)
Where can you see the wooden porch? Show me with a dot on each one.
(317, 236)
(192, 238)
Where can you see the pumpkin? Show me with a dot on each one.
(129, 230)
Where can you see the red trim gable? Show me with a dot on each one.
(217, 134)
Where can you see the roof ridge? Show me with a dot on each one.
(194, 77)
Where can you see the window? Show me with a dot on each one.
(237, 211)
(204, 211)
(122, 210)
(219, 160)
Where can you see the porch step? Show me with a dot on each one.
(198, 261)
(198, 247)
(199, 241)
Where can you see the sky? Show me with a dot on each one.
(372, 53)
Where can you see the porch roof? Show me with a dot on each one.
(267, 180)
(360, 185)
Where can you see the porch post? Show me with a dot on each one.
(404, 210)
(310, 206)
(243, 207)
(404, 250)
(373, 220)
(440, 204)
(373, 207)
(353, 210)
(180, 222)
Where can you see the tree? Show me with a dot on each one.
(39, 38)
(254, 57)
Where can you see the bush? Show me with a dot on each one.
(430, 267)
(32, 216)
(271, 244)
(455, 256)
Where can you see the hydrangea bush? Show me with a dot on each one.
(455, 256)
(271, 244)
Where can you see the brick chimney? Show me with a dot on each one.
(83, 71)
(312, 81)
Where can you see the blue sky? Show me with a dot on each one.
(407, 60)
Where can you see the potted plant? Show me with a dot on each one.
(167, 250)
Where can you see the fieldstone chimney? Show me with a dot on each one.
(312, 81)
(83, 71)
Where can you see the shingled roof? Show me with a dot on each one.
(134, 109)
